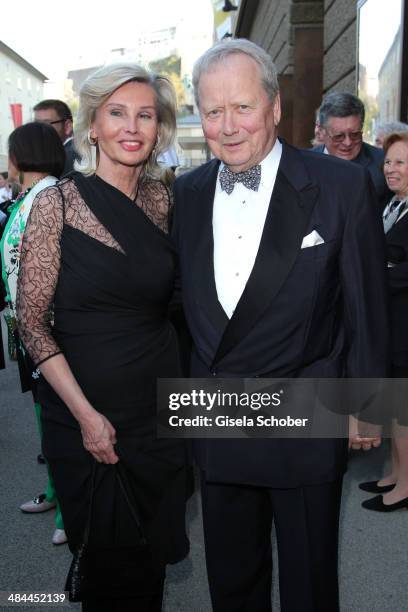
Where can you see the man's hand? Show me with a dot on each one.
(358, 443)
(363, 435)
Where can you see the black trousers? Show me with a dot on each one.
(237, 529)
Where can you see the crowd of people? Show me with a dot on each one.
(268, 261)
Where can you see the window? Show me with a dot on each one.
(380, 46)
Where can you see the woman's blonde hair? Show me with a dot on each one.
(98, 87)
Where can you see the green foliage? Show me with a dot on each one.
(171, 68)
(166, 65)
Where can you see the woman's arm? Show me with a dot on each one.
(98, 434)
(39, 270)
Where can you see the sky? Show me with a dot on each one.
(58, 36)
(376, 35)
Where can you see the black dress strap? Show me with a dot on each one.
(123, 219)
(62, 200)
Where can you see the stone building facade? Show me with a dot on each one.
(314, 46)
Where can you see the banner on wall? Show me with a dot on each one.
(17, 114)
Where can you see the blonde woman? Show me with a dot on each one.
(107, 264)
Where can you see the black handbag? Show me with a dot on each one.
(77, 573)
(77, 582)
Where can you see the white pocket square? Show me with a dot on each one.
(312, 239)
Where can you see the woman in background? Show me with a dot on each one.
(36, 153)
(393, 488)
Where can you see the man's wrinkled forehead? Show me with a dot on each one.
(229, 65)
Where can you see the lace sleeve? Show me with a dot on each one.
(156, 201)
(39, 268)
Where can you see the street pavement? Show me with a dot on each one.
(373, 546)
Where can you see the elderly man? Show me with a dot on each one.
(274, 243)
(382, 130)
(341, 120)
(58, 114)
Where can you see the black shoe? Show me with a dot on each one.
(373, 487)
(376, 503)
(40, 459)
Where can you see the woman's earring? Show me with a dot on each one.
(154, 150)
(92, 141)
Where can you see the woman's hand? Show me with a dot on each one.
(99, 438)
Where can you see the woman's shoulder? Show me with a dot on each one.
(156, 200)
(157, 191)
(55, 197)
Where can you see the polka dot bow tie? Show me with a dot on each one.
(249, 178)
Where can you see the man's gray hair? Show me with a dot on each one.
(338, 104)
(391, 127)
(224, 49)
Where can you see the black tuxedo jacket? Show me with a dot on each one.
(313, 312)
(397, 255)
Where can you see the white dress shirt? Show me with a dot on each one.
(238, 222)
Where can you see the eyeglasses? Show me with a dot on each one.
(340, 136)
(53, 122)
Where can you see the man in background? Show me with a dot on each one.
(5, 190)
(341, 120)
(58, 114)
(382, 130)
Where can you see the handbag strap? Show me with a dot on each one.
(127, 494)
(129, 497)
(62, 201)
(91, 498)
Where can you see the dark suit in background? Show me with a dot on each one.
(70, 156)
(371, 158)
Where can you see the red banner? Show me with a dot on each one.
(17, 114)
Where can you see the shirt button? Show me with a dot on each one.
(239, 237)
(236, 273)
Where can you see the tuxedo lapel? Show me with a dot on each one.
(293, 199)
(205, 289)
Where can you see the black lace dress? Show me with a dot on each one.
(107, 265)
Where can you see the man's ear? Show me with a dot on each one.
(68, 128)
(276, 110)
